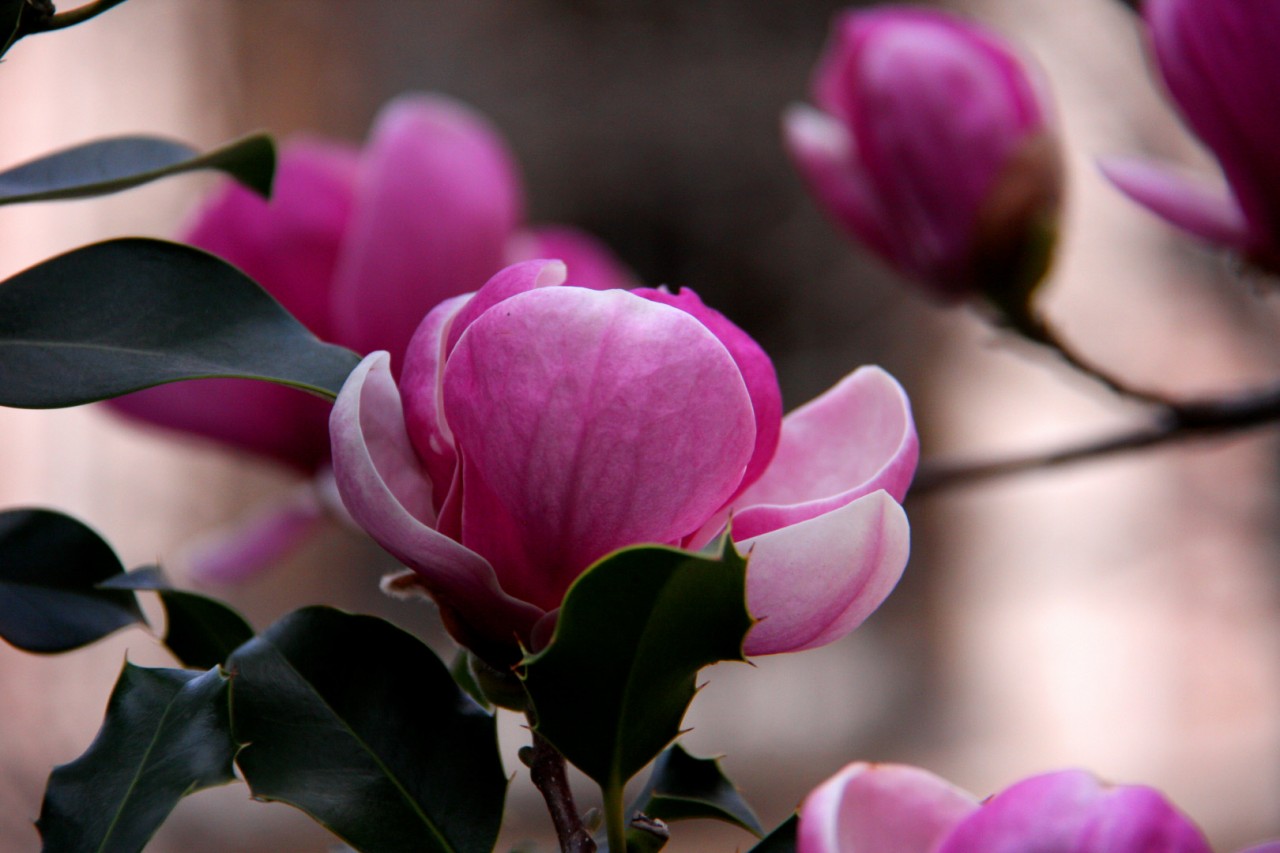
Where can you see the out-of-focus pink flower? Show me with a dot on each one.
(358, 244)
(1218, 59)
(538, 427)
(934, 146)
(891, 808)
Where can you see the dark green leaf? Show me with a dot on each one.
(111, 165)
(10, 18)
(50, 565)
(612, 687)
(118, 316)
(683, 787)
(166, 735)
(361, 726)
(781, 840)
(460, 669)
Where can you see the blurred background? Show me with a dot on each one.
(1119, 615)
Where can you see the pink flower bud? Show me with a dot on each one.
(537, 427)
(1219, 62)
(932, 146)
(889, 808)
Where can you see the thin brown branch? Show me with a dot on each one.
(547, 770)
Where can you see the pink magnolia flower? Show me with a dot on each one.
(934, 147)
(537, 427)
(891, 808)
(358, 244)
(1218, 59)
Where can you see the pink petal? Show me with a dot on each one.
(1070, 811)
(384, 489)
(1192, 204)
(437, 199)
(756, 367)
(856, 438)
(880, 808)
(811, 583)
(591, 264)
(587, 421)
(506, 283)
(257, 543)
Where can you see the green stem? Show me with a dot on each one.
(615, 818)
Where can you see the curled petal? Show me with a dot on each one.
(587, 421)
(856, 438)
(1192, 204)
(1071, 810)
(506, 283)
(385, 491)
(591, 264)
(811, 583)
(880, 808)
(437, 198)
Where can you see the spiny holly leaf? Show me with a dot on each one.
(50, 566)
(782, 839)
(200, 631)
(118, 316)
(119, 163)
(166, 735)
(684, 787)
(612, 687)
(361, 726)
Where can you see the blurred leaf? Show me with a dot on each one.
(361, 726)
(460, 669)
(114, 317)
(50, 565)
(111, 165)
(684, 787)
(10, 18)
(781, 840)
(612, 687)
(166, 735)
(200, 631)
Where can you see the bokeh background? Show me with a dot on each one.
(1118, 615)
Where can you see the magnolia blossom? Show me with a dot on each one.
(934, 146)
(358, 244)
(537, 427)
(1218, 59)
(891, 808)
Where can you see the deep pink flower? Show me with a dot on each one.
(933, 146)
(358, 245)
(537, 427)
(1218, 59)
(890, 808)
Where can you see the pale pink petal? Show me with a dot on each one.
(590, 420)
(591, 264)
(880, 808)
(811, 583)
(856, 438)
(1071, 811)
(1193, 204)
(437, 199)
(252, 545)
(387, 494)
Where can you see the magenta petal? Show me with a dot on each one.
(811, 583)
(591, 264)
(880, 808)
(385, 491)
(1192, 204)
(1070, 811)
(856, 438)
(437, 199)
(504, 284)
(587, 421)
(252, 545)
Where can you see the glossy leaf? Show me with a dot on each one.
(781, 840)
(166, 735)
(114, 317)
(111, 165)
(613, 685)
(10, 18)
(684, 787)
(50, 566)
(361, 726)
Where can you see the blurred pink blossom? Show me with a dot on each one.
(536, 427)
